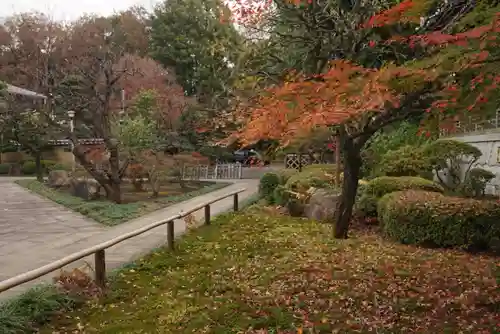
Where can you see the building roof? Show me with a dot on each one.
(82, 141)
(24, 92)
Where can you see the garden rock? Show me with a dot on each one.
(87, 189)
(322, 205)
(58, 178)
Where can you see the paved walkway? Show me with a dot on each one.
(35, 231)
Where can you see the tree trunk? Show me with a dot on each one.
(38, 166)
(116, 193)
(351, 149)
(113, 193)
(115, 177)
(337, 160)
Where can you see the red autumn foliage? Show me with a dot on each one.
(345, 93)
(349, 93)
(395, 14)
(147, 74)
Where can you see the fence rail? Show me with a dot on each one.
(219, 171)
(471, 126)
(99, 250)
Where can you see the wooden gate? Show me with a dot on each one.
(218, 171)
(297, 161)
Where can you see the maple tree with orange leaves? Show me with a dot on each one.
(355, 102)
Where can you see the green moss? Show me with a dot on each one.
(109, 213)
(252, 272)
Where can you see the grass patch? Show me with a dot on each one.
(109, 213)
(262, 273)
(33, 308)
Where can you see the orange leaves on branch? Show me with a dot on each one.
(345, 93)
(461, 39)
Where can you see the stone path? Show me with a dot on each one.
(35, 231)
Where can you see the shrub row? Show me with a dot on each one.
(432, 219)
(370, 193)
(28, 167)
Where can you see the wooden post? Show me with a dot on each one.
(100, 268)
(170, 235)
(207, 214)
(235, 202)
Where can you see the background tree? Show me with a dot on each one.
(197, 41)
(162, 97)
(188, 36)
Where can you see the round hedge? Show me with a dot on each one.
(432, 219)
(4, 169)
(380, 186)
(29, 166)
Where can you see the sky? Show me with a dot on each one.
(69, 9)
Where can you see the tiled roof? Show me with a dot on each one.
(85, 141)
(67, 142)
(21, 91)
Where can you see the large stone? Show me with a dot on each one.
(88, 189)
(322, 205)
(58, 179)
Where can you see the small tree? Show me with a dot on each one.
(24, 121)
(356, 102)
(449, 156)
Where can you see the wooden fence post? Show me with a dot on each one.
(235, 202)
(207, 214)
(100, 268)
(170, 235)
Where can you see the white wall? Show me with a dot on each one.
(489, 144)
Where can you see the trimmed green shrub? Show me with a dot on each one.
(280, 195)
(450, 156)
(380, 186)
(4, 169)
(432, 219)
(390, 138)
(285, 174)
(57, 166)
(318, 176)
(326, 167)
(475, 182)
(28, 167)
(293, 194)
(405, 161)
(268, 182)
